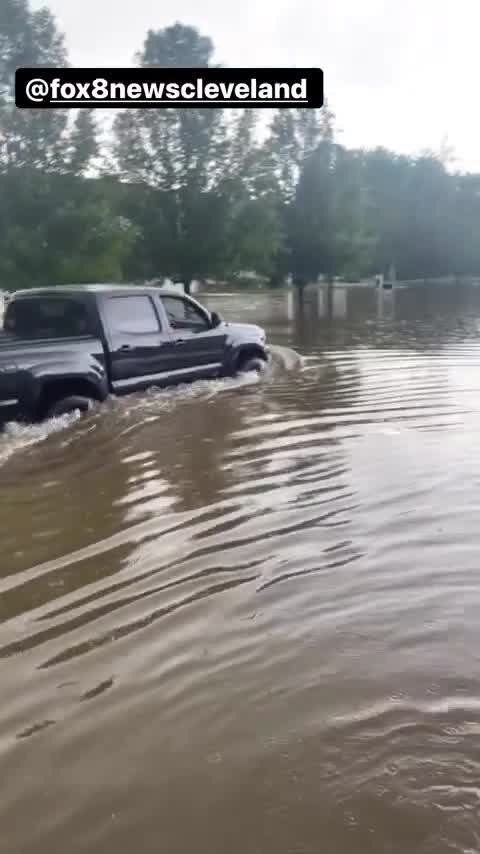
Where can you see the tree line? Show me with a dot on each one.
(207, 194)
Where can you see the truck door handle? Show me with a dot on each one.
(180, 341)
(125, 347)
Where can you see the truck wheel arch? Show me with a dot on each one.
(250, 353)
(54, 391)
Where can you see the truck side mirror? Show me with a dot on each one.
(215, 319)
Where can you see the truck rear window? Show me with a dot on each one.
(45, 317)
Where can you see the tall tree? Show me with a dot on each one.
(201, 165)
(54, 227)
(293, 135)
(83, 145)
(300, 149)
(26, 38)
(29, 137)
(34, 137)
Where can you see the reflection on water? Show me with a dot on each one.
(242, 616)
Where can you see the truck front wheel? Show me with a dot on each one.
(66, 405)
(252, 363)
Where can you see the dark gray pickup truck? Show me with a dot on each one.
(63, 348)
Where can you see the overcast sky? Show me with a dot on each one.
(398, 73)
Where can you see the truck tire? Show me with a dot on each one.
(66, 405)
(252, 363)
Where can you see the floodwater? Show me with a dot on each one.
(244, 616)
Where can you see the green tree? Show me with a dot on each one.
(59, 229)
(83, 146)
(254, 237)
(178, 152)
(29, 137)
(289, 154)
(203, 168)
(387, 177)
(413, 213)
(293, 136)
(37, 138)
(27, 38)
(465, 259)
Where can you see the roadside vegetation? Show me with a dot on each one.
(210, 194)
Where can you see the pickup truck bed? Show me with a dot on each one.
(63, 348)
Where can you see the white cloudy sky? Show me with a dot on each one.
(399, 73)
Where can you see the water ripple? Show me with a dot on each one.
(257, 598)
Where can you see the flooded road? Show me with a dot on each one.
(244, 616)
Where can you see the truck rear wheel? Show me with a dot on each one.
(66, 405)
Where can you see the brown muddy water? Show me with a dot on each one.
(244, 616)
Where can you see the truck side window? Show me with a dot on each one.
(182, 314)
(47, 317)
(131, 315)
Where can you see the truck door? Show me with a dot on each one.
(142, 353)
(200, 347)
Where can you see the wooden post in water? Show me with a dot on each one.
(290, 304)
(321, 301)
(392, 275)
